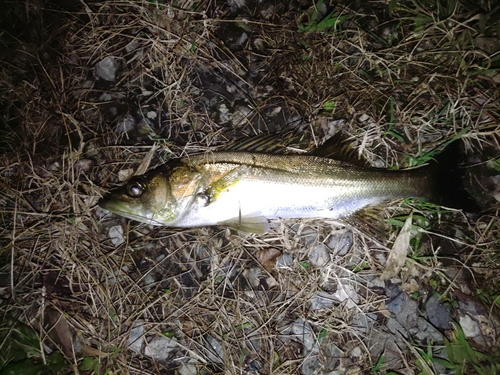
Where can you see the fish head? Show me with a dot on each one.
(159, 197)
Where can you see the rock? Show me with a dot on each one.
(136, 337)
(388, 345)
(105, 97)
(346, 292)
(438, 314)
(303, 332)
(132, 45)
(308, 237)
(490, 45)
(319, 255)
(310, 365)
(214, 352)
(253, 276)
(106, 68)
(127, 125)
(340, 243)
(426, 334)
(321, 301)
(284, 261)
(115, 233)
(160, 348)
(356, 352)
(403, 307)
(149, 281)
(364, 322)
(396, 327)
(469, 326)
(188, 368)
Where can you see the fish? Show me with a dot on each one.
(244, 188)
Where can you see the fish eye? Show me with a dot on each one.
(135, 189)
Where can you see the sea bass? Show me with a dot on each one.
(244, 190)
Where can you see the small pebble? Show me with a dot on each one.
(160, 348)
(116, 235)
(106, 68)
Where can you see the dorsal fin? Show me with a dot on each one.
(338, 147)
(263, 143)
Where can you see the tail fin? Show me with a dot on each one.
(447, 176)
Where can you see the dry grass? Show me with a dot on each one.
(403, 83)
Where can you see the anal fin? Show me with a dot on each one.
(370, 220)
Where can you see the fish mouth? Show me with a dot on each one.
(119, 208)
(109, 204)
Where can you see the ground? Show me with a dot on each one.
(94, 92)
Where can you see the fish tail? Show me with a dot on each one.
(446, 175)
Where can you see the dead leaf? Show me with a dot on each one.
(267, 257)
(60, 331)
(92, 352)
(399, 252)
(144, 165)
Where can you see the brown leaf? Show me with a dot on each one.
(267, 257)
(60, 331)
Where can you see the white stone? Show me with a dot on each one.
(160, 348)
(116, 235)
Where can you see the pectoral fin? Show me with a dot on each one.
(225, 182)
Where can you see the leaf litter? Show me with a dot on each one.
(106, 90)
